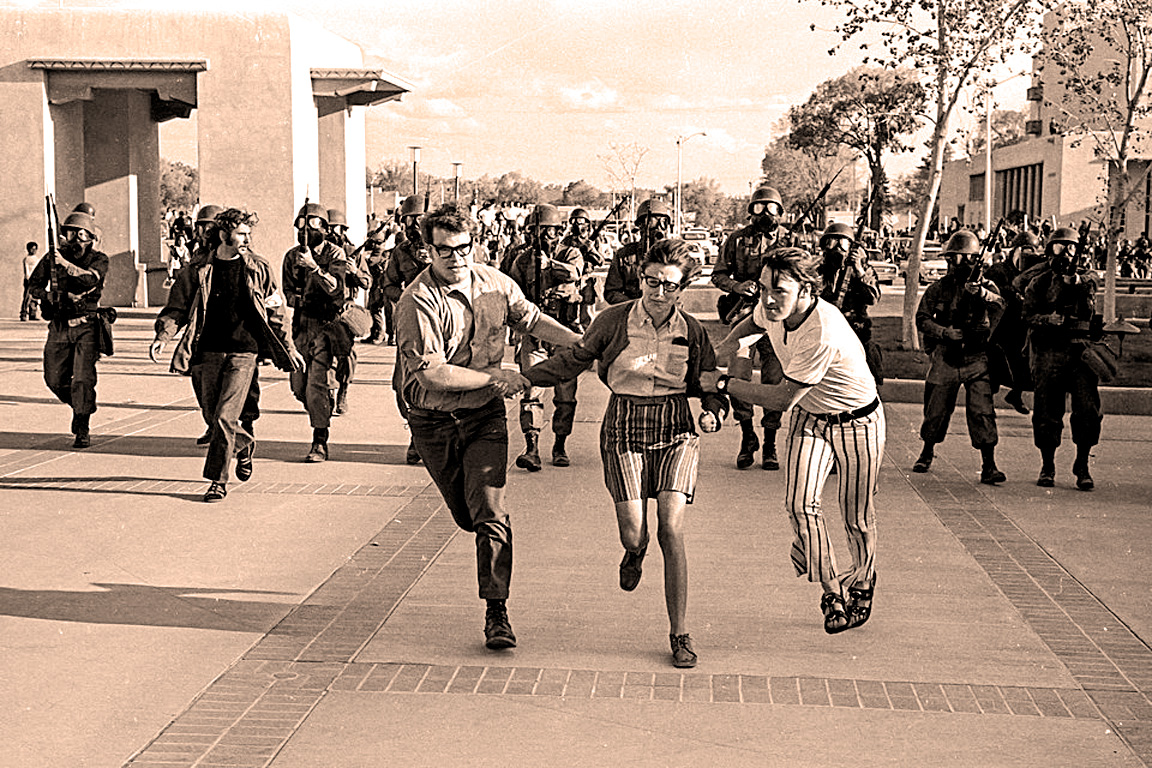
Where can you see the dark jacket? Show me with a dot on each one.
(78, 287)
(188, 302)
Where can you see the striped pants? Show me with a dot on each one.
(857, 446)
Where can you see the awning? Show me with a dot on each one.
(341, 88)
(172, 83)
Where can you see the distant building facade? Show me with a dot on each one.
(278, 117)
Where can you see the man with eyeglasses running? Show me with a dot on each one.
(549, 274)
(737, 272)
(71, 307)
(451, 324)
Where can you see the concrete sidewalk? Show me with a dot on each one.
(327, 614)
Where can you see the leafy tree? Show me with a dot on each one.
(949, 42)
(580, 193)
(799, 175)
(870, 110)
(1008, 128)
(704, 198)
(179, 186)
(1101, 54)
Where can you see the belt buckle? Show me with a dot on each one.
(75, 321)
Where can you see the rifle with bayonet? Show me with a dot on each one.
(52, 305)
(861, 224)
(812, 205)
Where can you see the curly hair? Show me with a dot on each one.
(451, 218)
(674, 252)
(228, 220)
(802, 266)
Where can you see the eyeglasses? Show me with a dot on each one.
(760, 207)
(450, 252)
(667, 285)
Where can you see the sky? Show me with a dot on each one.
(546, 87)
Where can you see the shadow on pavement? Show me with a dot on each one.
(143, 605)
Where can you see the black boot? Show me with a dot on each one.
(319, 450)
(1015, 399)
(341, 402)
(1047, 477)
(989, 474)
(530, 459)
(749, 444)
(925, 460)
(497, 629)
(770, 461)
(1080, 468)
(559, 455)
(80, 429)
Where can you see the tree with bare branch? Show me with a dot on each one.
(622, 164)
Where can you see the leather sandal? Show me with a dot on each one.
(860, 603)
(835, 616)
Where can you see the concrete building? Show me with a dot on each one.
(279, 113)
(1061, 171)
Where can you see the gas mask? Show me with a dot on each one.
(1065, 261)
(765, 216)
(835, 252)
(963, 266)
(412, 230)
(547, 237)
(310, 232)
(580, 228)
(654, 228)
(75, 243)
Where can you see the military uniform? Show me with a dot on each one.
(74, 330)
(740, 260)
(317, 301)
(554, 286)
(860, 291)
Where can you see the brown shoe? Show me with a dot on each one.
(682, 654)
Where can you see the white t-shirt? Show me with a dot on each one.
(825, 354)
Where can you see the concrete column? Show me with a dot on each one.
(342, 166)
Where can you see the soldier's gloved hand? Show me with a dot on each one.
(1055, 319)
(953, 334)
(747, 288)
(307, 261)
(708, 421)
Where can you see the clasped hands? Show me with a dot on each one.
(508, 382)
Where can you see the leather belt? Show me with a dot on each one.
(846, 416)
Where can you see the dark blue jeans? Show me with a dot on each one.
(224, 381)
(466, 453)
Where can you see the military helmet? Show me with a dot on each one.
(765, 195)
(80, 220)
(578, 213)
(545, 215)
(336, 218)
(653, 207)
(312, 210)
(837, 229)
(1026, 239)
(208, 214)
(413, 205)
(1064, 235)
(87, 208)
(962, 242)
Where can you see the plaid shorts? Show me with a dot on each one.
(648, 445)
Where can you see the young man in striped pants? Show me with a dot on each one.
(837, 417)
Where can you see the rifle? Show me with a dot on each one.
(604, 221)
(842, 276)
(53, 250)
(812, 205)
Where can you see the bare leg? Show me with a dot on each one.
(670, 532)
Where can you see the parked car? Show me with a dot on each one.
(885, 270)
(701, 243)
(931, 270)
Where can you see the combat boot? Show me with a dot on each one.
(749, 444)
(770, 461)
(530, 459)
(559, 455)
(319, 450)
(80, 430)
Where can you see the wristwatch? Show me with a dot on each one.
(722, 383)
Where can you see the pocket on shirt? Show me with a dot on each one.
(678, 362)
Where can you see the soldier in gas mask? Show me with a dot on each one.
(1060, 311)
(956, 315)
(68, 283)
(850, 283)
(318, 280)
(1010, 332)
(654, 222)
(737, 274)
(549, 275)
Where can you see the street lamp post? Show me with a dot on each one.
(415, 166)
(680, 141)
(456, 180)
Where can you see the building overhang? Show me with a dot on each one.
(343, 88)
(172, 83)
